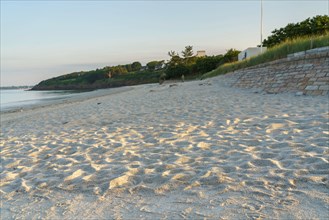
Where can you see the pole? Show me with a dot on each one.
(261, 26)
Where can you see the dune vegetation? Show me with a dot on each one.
(274, 53)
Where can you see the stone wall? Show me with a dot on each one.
(304, 72)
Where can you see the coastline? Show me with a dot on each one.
(195, 149)
(81, 96)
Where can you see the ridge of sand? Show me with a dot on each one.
(193, 150)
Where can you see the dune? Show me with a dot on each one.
(159, 151)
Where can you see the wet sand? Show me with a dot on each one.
(180, 150)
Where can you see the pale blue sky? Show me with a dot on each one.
(43, 39)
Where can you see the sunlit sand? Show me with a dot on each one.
(194, 150)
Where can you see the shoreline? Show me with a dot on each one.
(196, 149)
(81, 96)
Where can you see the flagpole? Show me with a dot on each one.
(261, 26)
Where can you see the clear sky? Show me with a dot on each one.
(43, 39)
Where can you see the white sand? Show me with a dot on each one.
(191, 150)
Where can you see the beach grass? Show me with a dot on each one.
(277, 52)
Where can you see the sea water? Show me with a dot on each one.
(18, 98)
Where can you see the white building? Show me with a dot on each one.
(251, 52)
(201, 53)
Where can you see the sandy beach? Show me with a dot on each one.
(192, 150)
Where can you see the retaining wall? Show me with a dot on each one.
(304, 72)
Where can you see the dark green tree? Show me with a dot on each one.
(172, 53)
(231, 55)
(118, 70)
(176, 71)
(174, 58)
(317, 25)
(128, 67)
(208, 63)
(136, 66)
(94, 75)
(154, 65)
(187, 54)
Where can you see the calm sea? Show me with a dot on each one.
(15, 98)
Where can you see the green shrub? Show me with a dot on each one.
(174, 72)
(206, 64)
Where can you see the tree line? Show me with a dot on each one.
(317, 25)
(189, 64)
